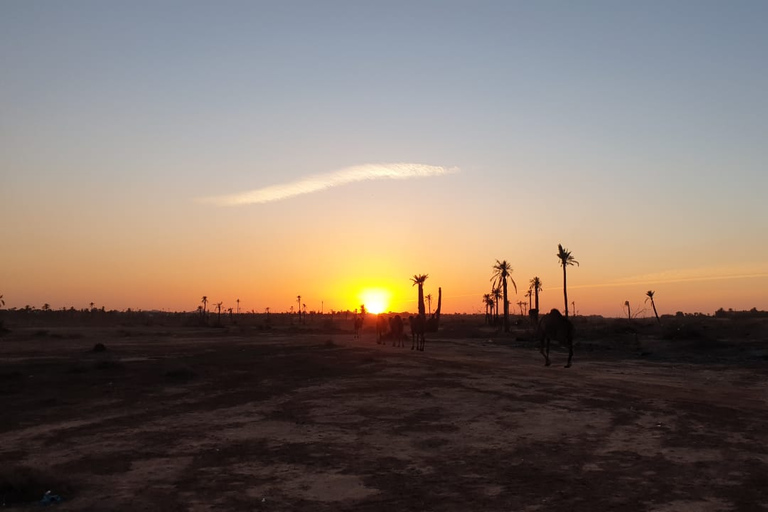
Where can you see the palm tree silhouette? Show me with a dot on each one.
(501, 272)
(218, 308)
(429, 302)
(488, 301)
(205, 304)
(629, 311)
(650, 294)
(566, 258)
(418, 279)
(238, 306)
(496, 294)
(535, 287)
(298, 299)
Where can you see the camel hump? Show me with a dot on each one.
(555, 312)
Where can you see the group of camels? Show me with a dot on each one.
(552, 326)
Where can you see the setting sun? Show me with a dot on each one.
(376, 300)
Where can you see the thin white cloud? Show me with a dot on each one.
(319, 182)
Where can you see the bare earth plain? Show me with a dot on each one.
(199, 419)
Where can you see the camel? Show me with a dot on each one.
(396, 331)
(418, 324)
(358, 326)
(382, 328)
(555, 326)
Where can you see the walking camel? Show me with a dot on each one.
(358, 326)
(554, 326)
(418, 324)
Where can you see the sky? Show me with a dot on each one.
(152, 153)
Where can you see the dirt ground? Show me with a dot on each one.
(201, 419)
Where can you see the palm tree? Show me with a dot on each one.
(298, 299)
(496, 293)
(501, 272)
(429, 302)
(566, 258)
(218, 308)
(650, 294)
(238, 306)
(205, 304)
(488, 301)
(46, 307)
(418, 279)
(535, 287)
(629, 311)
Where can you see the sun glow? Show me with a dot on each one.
(375, 300)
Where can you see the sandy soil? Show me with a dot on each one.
(195, 420)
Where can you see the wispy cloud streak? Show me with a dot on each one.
(319, 182)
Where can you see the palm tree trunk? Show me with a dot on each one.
(422, 309)
(653, 304)
(506, 307)
(565, 291)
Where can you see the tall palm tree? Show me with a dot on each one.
(496, 294)
(418, 279)
(205, 304)
(535, 287)
(650, 294)
(488, 301)
(502, 271)
(429, 302)
(298, 299)
(566, 258)
(218, 308)
(238, 306)
(629, 310)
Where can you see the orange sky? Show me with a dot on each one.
(142, 166)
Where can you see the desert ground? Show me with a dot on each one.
(307, 417)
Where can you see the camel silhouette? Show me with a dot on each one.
(396, 328)
(418, 324)
(554, 326)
